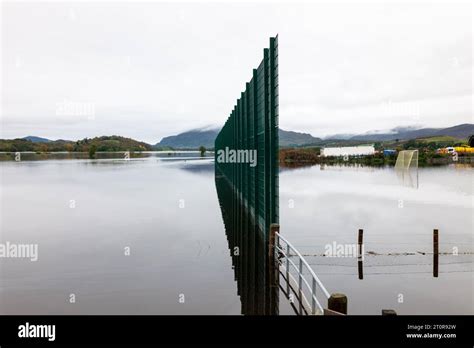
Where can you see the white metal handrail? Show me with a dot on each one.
(286, 250)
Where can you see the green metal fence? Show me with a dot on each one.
(253, 126)
(248, 193)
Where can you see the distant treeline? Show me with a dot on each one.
(101, 144)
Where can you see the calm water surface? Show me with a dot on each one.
(85, 213)
(330, 204)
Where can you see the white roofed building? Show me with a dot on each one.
(363, 150)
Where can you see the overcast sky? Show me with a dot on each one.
(148, 70)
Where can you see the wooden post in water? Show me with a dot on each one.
(435, 253)
(273, 268)
(388, 312)
(359, 263)
(338, 303)
(274, 228)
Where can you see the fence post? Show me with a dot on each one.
(435, 253)
(273, 268)
(300, 284)
(338, 303)
(360, 241)
(274, 228)
(388, 312)
(360, 261)
(288, 250)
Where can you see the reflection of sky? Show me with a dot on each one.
(135, 203)
(330, 206)
(118, 203)
(440, 185)
(333, 204)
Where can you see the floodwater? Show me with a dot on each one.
(325, 206)
(146, 236)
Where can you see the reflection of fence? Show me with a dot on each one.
(248, 195)
(248, 191)
(248, 251)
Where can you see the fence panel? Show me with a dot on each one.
(253, 126)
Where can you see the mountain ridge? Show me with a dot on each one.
(196, 137)
(35, 139)
(459, 131)
(205, 136)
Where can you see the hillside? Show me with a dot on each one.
(461, 131)
(195, 138)
(290, 138)
(191, 139)
(34, 139)
(104, 143)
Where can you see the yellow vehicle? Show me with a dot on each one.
(460, 149)
(464, 149)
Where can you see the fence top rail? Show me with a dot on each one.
(315, 277)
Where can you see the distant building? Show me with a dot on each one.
(389, 152)
(348, 151)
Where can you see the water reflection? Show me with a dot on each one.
(162, 155)
(248, 251)
(168, 217)
(407, 177)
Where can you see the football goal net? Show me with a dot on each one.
(407, 159)
(406, 167)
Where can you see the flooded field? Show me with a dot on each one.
(323, 206)
(146, 236)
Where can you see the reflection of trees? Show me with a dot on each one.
(468, 165)
(296, 164)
